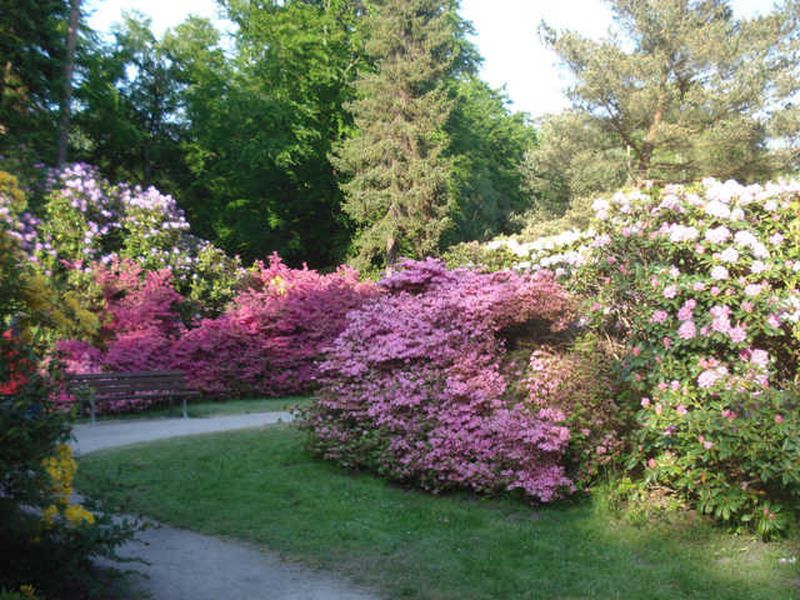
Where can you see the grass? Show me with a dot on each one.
(213, 408)
(261, 486)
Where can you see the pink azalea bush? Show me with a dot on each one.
(270, 340)
(140, 325)
(414, 387)
(700, 282)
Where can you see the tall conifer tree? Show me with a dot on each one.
(397, 191)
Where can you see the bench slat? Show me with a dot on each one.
(139, 385)
(113, 395)
(127, 375)
(115, 387)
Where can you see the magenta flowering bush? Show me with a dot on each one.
(268, 343)
(414, 386)
(271, 338)
(140, 324)
(700, 282)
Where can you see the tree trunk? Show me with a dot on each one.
(391, 253)
(69, 66)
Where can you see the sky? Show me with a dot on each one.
(514, 57)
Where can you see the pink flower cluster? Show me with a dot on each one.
(413, 388)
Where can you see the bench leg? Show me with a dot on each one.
(92, 411)
(183, 407)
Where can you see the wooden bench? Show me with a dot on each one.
(97, 388)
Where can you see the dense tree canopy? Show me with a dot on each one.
(244, 130)
(32, 51)
(334, 129)
(488, 146)
(129, 98)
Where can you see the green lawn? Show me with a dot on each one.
(263, 487)
(214, 408)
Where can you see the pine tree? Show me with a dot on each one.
(397, 191)
(684, 90)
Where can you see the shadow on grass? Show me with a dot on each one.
(263, 487)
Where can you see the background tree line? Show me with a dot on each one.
(333, 129)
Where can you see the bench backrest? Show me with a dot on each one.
(111, 387)
(124, 385)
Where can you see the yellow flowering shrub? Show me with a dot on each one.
(28, 591)
(63, 313)
(51, 549)
(76, 515)
(61, 468)
(9, 188)
(49, 515)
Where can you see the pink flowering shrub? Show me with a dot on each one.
(270, 340)
(140, 325)
(267, 343)
(701, 283)
(414, 388)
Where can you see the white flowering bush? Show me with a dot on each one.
(700, 282)
(562, 253)
(87, 221)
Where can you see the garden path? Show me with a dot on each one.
(112, 434)
(184, 565)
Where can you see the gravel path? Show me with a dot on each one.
(112, 434)
(189, 566)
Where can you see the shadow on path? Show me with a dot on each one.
(183, 565)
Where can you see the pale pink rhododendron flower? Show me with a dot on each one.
(718, 235)
(687, 330)
(729, 255)
(686, 311)
(759, 357)
(659, 316)
(737, 334)
(710, 377)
